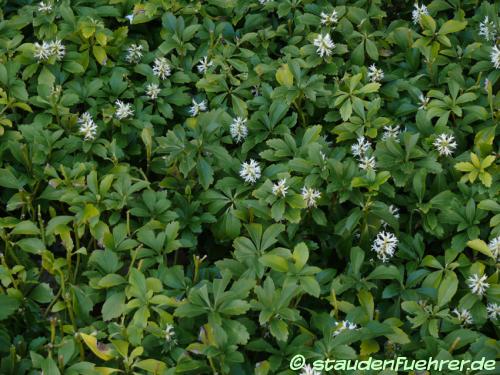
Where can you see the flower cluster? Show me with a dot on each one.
(204, 64)
(197, 107)
(478, 284)
(161, 68)
(280, 188)
(46, 50)
(123, 110)
(325, 45)
(329, 19)
(362, 150)
(344, 325)
(238, 129)
(310, 196)
(375, 74)
(152, 90)
(418, 12)
(88, 128)
(385, 245)
(134, 53)
(445, 144)
(250, 171)
(464, 316)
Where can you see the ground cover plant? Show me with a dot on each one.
(212, 187)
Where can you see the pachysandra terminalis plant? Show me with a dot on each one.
(212, 187)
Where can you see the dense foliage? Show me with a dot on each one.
(215, 186)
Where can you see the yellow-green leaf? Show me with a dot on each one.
(475, 160)
(481, 246)
(284, 76)
(368, 347)
(100, 350)
(485, 178)
(100, 55)
(464, 167)
(152, 365)
(487, 161)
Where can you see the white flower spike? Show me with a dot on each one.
(310, 196)
(123, 110)
(161, 68)
(88, 128)
(418, 12)
(445, 144)
(152, 90)
(197, 107)
(238, 129)
(478, 284)
(385, 245)
(325, 45)
(250, 171)
(280, 189)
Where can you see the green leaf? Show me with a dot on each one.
(9, 306)
(205, 173)
(276, 262)
(447, 288)
(452, 26)
(383, 272)
(300, 255)
(481, 246)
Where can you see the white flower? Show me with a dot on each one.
(250, 172)
(255, 91)
(385, 245)
(262, 2)
(418, 12)
(42, 51)
(493, 310)
(394, 211)
(478, 285)
(280, 189)
(310, 196)
(44, 7)
(325, 45)
(88, 128)
(495, 57)
(123, 110)
(204, 64)
(368, 163)
(344, 325)
(134, 53)
(424, 100)
(391, 132)
(152, 90)
(238, 129)
(360, 148)
(197, 107)
(161, 68)
(494, 246)
(374, 74)
(329, 19)
(445, 144)
(169, 333)
(487, 29)
(57, 49)
(308, 370)
(130, 17)
(486, 84)
(464, 316)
